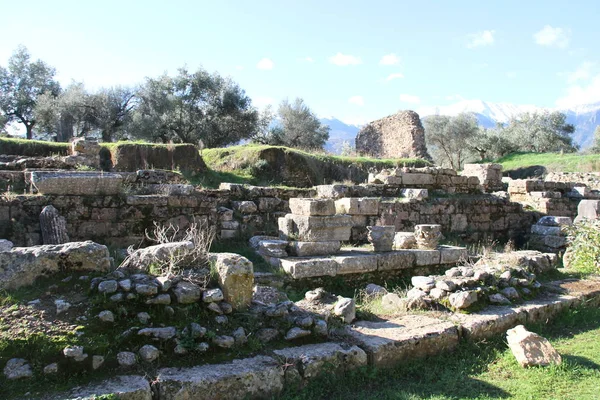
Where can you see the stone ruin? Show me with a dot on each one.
(396, 136)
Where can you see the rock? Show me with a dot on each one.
(447, 285)
(159, 333)
(510, 292)
(550, 220)
(245, 207)
(126, 359)
(425, 283)
(236, 279)
(346, 309)
(128, 387)
(332, 191)
(266, 335)
(106, 316)
(108, 287)
(164, 283)
(404, 240)
(146, 290)
(125, 284)
(221, 319)
(437, 293)
(53, 226)
(61, 306)
(17, 368)
(97, 362)
(160, 299)
(180, 350)
(375, 290)
(296, 333)
(381, 237)
(530, 349)
(393, 301)
(214, 307)
(305, 322)
(428, 236)
(309, 249)
(23, 265)
(212, 295)
(312, 207)
(453, 272)
(224, 341)
(75, 352)
(225, 307)
(187, 292)
(497, 298)
(51, 369)
(415, 293)
(320, 327)
(160, 254)
(149, 353)
(239, 336)
(5, 245)
(273, 248)
(194, 330)
(143, 317)
(462, 300)
(400, 135)
(588, 209)
(315, 295)
(315, 228)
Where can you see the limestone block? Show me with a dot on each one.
(312, 207)
(257, 377)
(404, 240)
(273, 248)
(357, 206)
(452, 254)
(23, 265)
(589, 209)
(425, 258)
(74, 183)
(530, 349)
(313, 360)
(332, 191)
(161, 254)
(300, 268)
(53, 226)
(236, 278)
(550, 220)
(128, 387)
(315, 229)
(488, 322)
(381, 237)
(417, 179)
(307, 249)
(414, 193)
(395, 260)
(245, 207)
(351, 263)
(390, 343)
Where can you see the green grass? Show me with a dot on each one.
(554, 162)
(484, 370)
(32, 148)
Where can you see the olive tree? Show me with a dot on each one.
(449, 138)
(541, 132)
(193, 108)
(21, 85)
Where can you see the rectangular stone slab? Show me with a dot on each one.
(300, 268)
(312, 360)
(257, 377)
(357, 206)
(127, 387)
(413, 336)
(489, 322)
(424, 258)
(307, 249)
(76, 183)
(312, 207)
(315, 229)
(391, 260)
(452, 254)
(355, 262)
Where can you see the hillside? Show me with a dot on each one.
(540, 163)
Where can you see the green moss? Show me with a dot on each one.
(32, 148)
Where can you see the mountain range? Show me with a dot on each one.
(585, 118)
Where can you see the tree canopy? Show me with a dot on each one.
(296, 126)
(192, 108)
(21, 85)
(449, 138)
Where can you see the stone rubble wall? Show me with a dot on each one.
(431, 178)
(590, 179)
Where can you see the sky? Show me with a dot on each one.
(353, 60)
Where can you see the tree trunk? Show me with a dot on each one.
(29, 128)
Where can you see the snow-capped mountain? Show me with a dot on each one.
(584, 117)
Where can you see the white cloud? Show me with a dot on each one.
(549, 36)
(263, 101)
(397, 75)
(358, 100)
(480, 39)
(582, 73)
(344, 59)
(389, 59)
(580, 95)
(265, 64)
(308, 59)
(407, 98)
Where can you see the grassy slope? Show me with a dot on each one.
(485, 370)
(32, 148)
(556, 162)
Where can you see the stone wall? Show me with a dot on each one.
(396, 136)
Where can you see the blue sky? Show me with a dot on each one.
(354, 60)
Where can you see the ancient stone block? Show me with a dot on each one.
(417, 179)
(309, 267)
(357, 206)
(426, 257)
(312, 207)
(54, 226)
(530, 349)
(414, 193)
(452, 254)
(588, 209)
(315, 229)
(76, 182)
(236, 278)
(307, 249)
(351, 263)
(332, 191)
(397, 136)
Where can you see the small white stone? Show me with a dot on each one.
(51, 369)
(97, 362)
(149, 353)
(106, 316)
(126, 359)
